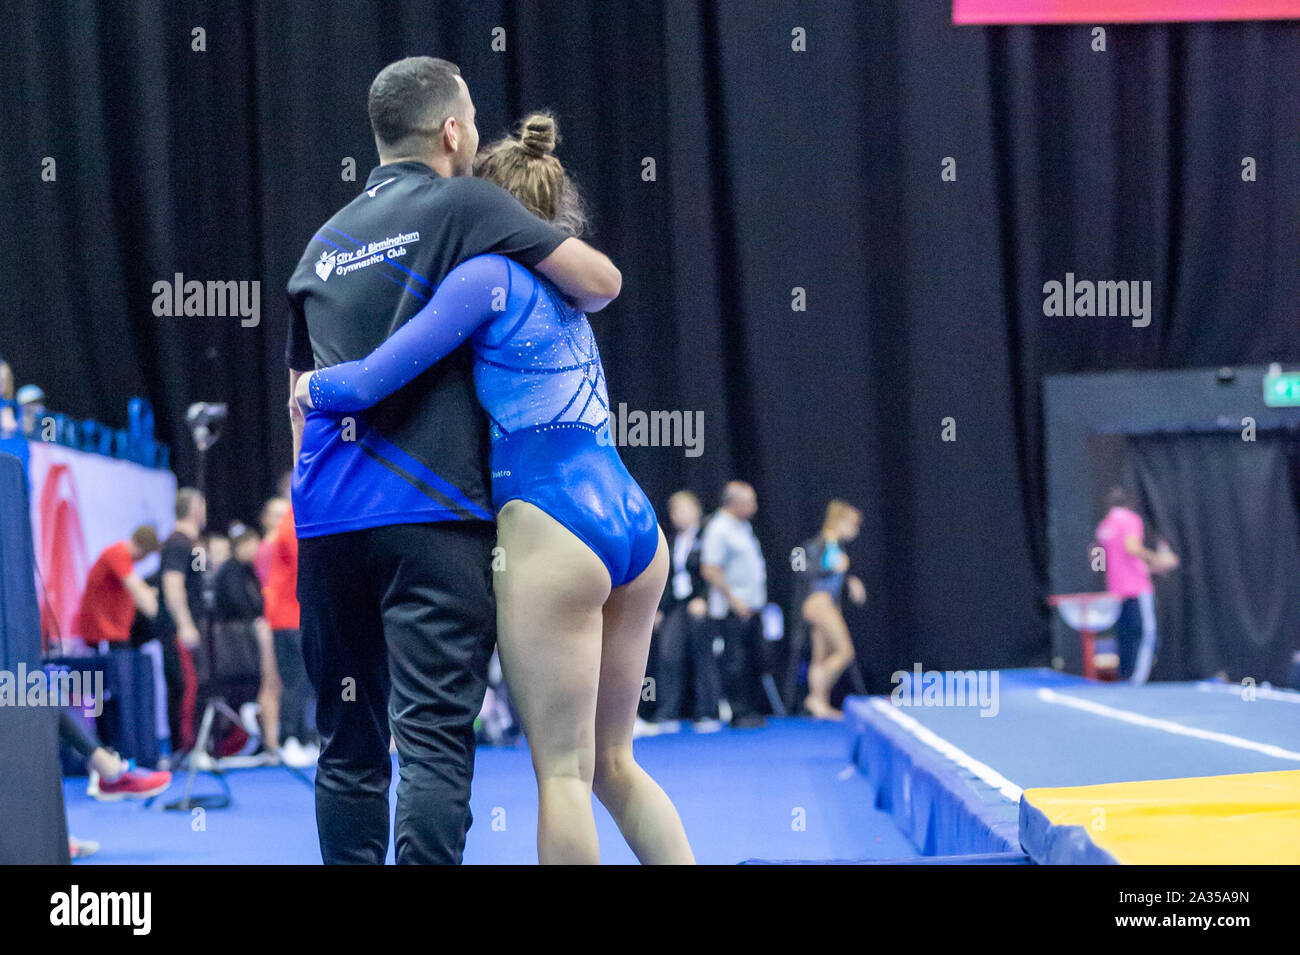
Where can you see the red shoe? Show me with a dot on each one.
(133, 784)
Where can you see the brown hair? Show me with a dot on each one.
(687, 496)
(145, 539)
(525, 166)
(835, 510)
(185, 498)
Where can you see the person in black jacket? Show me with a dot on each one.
(240, 630)
(684, 640)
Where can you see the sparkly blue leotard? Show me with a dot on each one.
(539, 378)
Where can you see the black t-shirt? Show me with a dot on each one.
(238, 592)
(363, 275)
(178, 554)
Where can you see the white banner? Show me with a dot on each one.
(82, 503)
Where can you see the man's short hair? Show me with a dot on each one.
(185, 498)
(145, 539)
(731, 489)
(411, 100)
(1118, 497)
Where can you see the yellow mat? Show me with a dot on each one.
(1249, 818)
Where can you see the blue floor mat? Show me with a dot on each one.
(787, 791)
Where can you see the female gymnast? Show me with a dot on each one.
(584, 559)
(832, 648)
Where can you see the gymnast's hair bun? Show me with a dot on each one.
(539, 133)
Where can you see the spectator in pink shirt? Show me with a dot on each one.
(1129, 565)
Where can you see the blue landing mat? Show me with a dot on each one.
(782, 792)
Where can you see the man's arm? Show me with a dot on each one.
(178, 605)
(716, 576)
(492, 220)
(145, 597)
(296, 416)
(588, 277)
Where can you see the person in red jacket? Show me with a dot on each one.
(115, 592)
(280, 599)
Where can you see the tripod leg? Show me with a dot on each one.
(200, 746)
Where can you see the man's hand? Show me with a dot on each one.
(587, 277)
(188, 635)
(740, 609)
(697, 608)
(145, 597)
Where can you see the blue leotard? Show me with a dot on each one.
(539, 378)
(831, 578)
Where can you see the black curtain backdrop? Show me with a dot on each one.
(775, 170)
(1228, 508)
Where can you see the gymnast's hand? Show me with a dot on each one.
(302, 393)
(857, 592)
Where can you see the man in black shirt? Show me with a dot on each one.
(181, 569)
(392, 507)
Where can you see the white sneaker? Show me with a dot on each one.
(706, 726)
(668, 726)
(201, 761)
(642, 728)
(248, 714)
(294, 754)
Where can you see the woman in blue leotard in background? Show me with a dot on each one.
(584, 561)
(828, 565)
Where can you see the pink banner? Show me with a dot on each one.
(1120, 11)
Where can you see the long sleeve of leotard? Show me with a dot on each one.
(473, 293)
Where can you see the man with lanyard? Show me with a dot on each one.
(392, 506)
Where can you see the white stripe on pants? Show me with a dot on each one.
(1147, 648)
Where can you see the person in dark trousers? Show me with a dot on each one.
(182, 613)
(238, 621)
(280, 595)
(392, 505)
(684, 650)
(732, 562)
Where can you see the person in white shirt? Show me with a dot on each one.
(731, 560)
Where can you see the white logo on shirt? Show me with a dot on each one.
(371, 192)
(326, 265)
